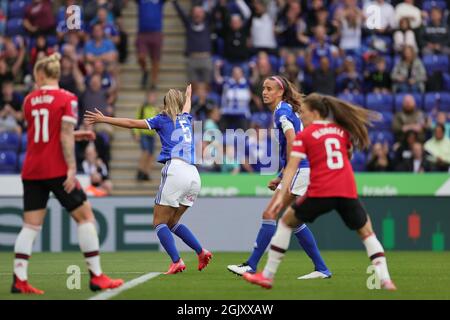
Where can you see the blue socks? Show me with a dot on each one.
(167, 241)
(265, 234)
(308, 243)
(188, 237)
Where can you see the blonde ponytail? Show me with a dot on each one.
(50, 65)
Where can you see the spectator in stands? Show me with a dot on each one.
(291, 29)
(323, 78)
(417, 163)
(5, 74)
(291, 70)
(439, 149)
(107, 80)
(109, 28)
(379, 159)
(96, 97)
(100, 47)
(235, 98)
(230, 164)
(71, 77)
(39, 18)
(3, 19)
(260, 71)
(407, 9)
(102, 145)
(443, 119)
(350, 30)
(150, 38)
(320, 47)
(13, 54)
(236, 37)
(409, 74)
(380, 17)
(258, 146)
(40, 50)
(312, 8)
(63, 16)
(404, 36)
(146, 138)
(331, 27)
(73, 47)
(98, 171)
(379, 80)
(409, 119)
(350, 80)
(211, 145)
(198, 44)
(201, 103)
(435, 34)
(262, 28)
(11, 116)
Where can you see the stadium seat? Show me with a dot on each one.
(357, 99)
(359, 161)
(23, 142)
(435, 62)
(14, 27)
(214, 97)
(427, 5)
(381, 136)
(379, 102)
(399, 100)
(8, 162)
(9, 141)
(16, 9)
(385, 123)
(437, 101)
(21, 160)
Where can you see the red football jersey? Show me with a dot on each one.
(326, 145)
(44, 110)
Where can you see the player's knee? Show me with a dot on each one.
(267, 215)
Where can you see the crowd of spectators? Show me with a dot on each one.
(92, 43)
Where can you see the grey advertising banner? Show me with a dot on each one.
(231, 224)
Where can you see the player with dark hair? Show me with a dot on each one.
(285, 101)
(333, 128)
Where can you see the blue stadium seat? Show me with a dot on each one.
(14, 27)
(21, 160)
(385, 123)
(16, 9)
(382, 136)
(359, 161)
(8, 162)
(446, 80)
(435, 62)
(379, 102)
(427, 5)
(23, 142)
(357, 99)
(215, 97)
(399, 100)
(437, 101)
(9, 141)
(263, 119)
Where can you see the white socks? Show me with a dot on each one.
(278, 247)
(23, 249)
(89, 245)
(375, 252)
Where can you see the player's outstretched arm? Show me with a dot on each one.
(81, 135)
(98, 117)
(187, 103)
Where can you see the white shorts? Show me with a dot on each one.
(300, 182)
(180, 184)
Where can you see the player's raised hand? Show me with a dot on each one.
(94, 117)
(188, 93)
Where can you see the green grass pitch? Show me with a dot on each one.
(418, 275)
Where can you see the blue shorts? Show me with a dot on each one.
(148, 143)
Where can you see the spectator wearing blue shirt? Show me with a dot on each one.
(110, 30)
(99, 47)
(150, 38)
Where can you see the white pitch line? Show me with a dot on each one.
(127, 285)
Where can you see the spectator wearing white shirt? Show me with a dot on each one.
(407, 9)
(262, 29)
(404, 36)
(97, 170)
(380, 16)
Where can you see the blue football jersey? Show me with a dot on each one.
(285, 117)
(177, 139)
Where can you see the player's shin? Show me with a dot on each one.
(167, 241)
(308, 243)
(187, 236)
(89, 245)
(375, 252)
(265, 234)
(23, 248)
(278, 247)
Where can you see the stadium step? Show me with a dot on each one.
(125, 150)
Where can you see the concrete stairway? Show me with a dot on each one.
(125, 151)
